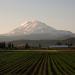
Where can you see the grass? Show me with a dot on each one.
(37, 63)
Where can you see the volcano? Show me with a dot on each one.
(32, 27)
(36, 30)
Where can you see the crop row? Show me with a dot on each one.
(37, 63)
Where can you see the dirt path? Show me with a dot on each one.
(39, 50)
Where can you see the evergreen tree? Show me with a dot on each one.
(2, 45)
(39, 45)
(58, 43)
(10, 45)
(27, 46)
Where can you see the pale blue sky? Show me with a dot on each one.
(59, 14)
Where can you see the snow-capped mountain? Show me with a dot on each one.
(32, 27)
(36, 30)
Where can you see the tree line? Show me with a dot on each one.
(10, 45)
(4, 45)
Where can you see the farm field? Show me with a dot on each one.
(37, 63)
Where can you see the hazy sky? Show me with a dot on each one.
(56, 13)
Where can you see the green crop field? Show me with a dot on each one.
(37, 63)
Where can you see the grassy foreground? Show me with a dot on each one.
(37, 63)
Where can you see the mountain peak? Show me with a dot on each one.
(32, 27)
(31, 22)
(36, 30)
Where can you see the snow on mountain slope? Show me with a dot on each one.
(36, 30)
(32, 27)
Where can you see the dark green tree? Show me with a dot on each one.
(39, 45)
(27, 46)
(10, 45)
(58, 43)
(2, 45)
